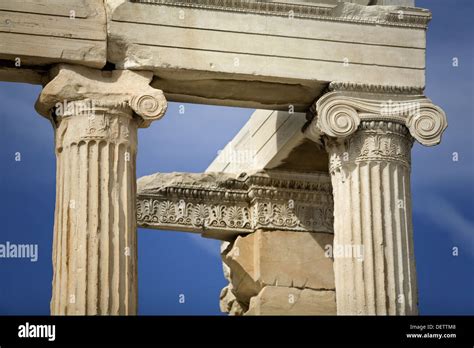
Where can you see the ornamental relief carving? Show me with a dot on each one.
(375, 141)
(119, 129)
(279, 215)
(193, 215)
(292, 216)
(214, 202)
(383, 147)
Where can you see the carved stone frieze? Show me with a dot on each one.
(182, 215)
(214, 203)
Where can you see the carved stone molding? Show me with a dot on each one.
(377, 141)
(342, 12)
(367, 88)
(80, 91)
(338, 114)
(102, 127)
(222, 205)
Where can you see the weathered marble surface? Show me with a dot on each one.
(95, 116)
(279, 273)
(44, 32)
(241, 53)
(368, 133)
(271, 140)
(357, 68)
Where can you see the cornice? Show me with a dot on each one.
(343, 12)
(337, 86)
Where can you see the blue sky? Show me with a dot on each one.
(174, 263)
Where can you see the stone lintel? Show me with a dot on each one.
(220, 206)
(37, 34)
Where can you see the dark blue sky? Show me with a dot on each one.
(177, 263)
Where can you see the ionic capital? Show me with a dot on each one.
(339, 113)
(75, 87)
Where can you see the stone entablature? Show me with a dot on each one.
(224, 205)
(221, 52)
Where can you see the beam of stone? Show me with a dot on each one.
(259, 54)
(37, 33)
(222, 206)
(408, 3)
(368, 132)
(95, 120)
(266, 55)
(34, 76)
(271, 140)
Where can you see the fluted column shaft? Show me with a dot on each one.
(95, 115)
(370, 173)
(95, 249)
(368, 132)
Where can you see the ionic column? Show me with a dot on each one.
(368, 133)
(96, 115)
